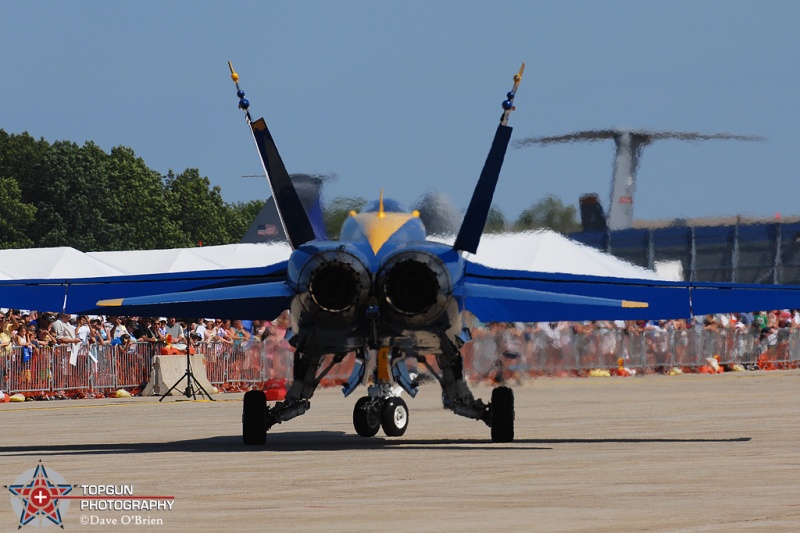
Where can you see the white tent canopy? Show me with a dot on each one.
(189, 259)
(542, 251)
(548, 251)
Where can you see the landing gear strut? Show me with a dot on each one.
(456, 396)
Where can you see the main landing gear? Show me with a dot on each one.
(382, 408)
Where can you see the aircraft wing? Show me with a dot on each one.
(623, 297)
(240, 292)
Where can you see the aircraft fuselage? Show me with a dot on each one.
(382, 284)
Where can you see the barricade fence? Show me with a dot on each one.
(493, 354)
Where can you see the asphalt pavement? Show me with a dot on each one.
(653, 453)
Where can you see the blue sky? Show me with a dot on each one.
(406, 95)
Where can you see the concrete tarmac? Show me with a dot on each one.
(654, 453)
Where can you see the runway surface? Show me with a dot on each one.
(654, 453)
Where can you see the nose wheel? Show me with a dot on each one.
(372, 414)
(367, 417)
(394, 418)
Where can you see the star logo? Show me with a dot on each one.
(36, 497)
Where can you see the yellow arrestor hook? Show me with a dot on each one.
(234, 75)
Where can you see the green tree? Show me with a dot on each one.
(337, 211)
(67, 188)
(15, 216)
(197, 209)
(137, 206)
(495, 221)
(20, 159)
(550, 213)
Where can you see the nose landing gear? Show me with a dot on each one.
(373, 413)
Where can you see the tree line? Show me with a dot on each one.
(441, 218)
(63, 194)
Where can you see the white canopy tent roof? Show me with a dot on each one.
(548, 251)
(542, 251)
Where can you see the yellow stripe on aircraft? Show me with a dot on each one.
(634, 305)
(379, 227)
(115, 302)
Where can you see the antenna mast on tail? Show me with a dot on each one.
(294, 219)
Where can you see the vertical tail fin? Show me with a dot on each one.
(469, 236)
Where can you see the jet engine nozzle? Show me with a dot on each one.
(337, 285)
(334, 286)
(414, 287)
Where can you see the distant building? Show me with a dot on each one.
(736, 249)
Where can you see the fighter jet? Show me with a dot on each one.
(386, 295)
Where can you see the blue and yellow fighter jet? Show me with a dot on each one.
(384, 294)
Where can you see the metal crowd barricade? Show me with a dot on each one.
(133, 365)
(66, 376)
(493, 355)
(103, 366)
(215, 357)
(27, 376)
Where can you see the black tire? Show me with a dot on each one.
(365, 422)
(254, 418)
(502, 414)
(394, 417)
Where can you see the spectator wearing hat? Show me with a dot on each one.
(161, 329)
(11, 322)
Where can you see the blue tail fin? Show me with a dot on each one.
(469, 236)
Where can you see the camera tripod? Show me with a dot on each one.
(193, 387)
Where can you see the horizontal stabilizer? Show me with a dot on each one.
(255, 300)
(494, 303)
(665, 299)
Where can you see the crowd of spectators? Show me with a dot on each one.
(763, 324)
(34, 329)
(31, 329)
